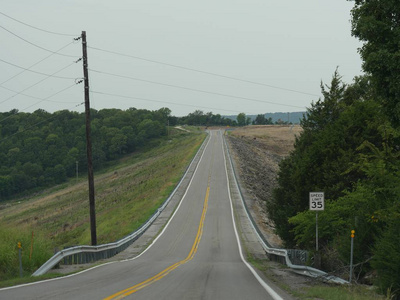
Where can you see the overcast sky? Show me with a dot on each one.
(287, 47)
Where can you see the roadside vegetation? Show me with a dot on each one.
(341, 293)
(349, 148)
(128, 191)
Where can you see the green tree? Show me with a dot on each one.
(6, 185)
(14, 154)
(129, 132)
(361, 179)
(162, 115)
(248, 121)
(118, 144)
(216, 119)
(377, 24)
(386, 258)
(326, 111)
(196, 118)
(260, 120)
(150, 129)
(33, 148)
(241, 119)
(324, 154)
(70, 161)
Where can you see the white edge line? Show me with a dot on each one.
(260, 280)
(105, 264)
(176, 210)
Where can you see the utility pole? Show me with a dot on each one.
(89, 143)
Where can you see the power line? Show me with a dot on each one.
(35, 45)
(40, 81)
(162, 101)
(33, 97)
(44, 99)
(27, 69)
(34, 27)
(205, 72)
(55, 94)
(196, 90)
(36, 72)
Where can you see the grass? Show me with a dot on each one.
(18, 281)
(31, 255)
(127, 194)
(318, 290)
(353, 292)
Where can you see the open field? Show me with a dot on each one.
(277, 139)
(126, 195)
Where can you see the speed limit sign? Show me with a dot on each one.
(317, 201)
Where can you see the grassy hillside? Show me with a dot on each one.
(126, 195)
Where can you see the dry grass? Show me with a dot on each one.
(277, 139)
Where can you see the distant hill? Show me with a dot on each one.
(293, 117)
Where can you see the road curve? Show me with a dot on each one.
(197, 255)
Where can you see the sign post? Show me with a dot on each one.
(317, 203)
(351, 254)
(20, 258)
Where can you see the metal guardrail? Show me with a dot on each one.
(276, 254)
(87, 254)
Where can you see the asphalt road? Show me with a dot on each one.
(197, 256)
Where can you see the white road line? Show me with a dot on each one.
(259, 279)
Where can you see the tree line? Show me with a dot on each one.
(350, 149)
(199, 118)
(41, 149)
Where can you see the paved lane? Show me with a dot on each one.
(197, 256)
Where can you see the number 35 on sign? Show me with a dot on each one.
(317, 201)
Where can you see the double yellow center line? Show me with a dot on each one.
(168, 270)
